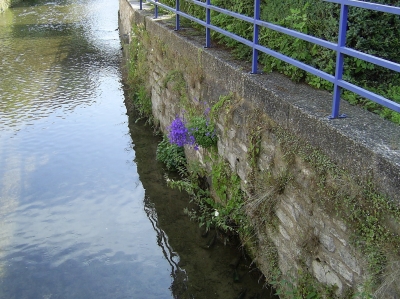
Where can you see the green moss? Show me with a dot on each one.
(177, 79)
(367, 213)
(138, 73)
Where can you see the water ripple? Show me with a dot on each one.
(52, 62)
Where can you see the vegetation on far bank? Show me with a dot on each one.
(4, 4)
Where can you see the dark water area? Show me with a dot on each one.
(84, 208)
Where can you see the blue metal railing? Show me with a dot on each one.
(339, 47)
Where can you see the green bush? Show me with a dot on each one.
(171, 155)
(203, 131)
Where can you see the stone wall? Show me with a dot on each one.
(309, 177)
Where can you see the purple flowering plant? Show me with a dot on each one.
(179, 134)
(198, 131)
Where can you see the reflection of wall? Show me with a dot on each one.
(297, 144)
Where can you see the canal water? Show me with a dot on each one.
(84, 209)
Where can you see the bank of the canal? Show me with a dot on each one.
(84, 207)
(315, 200)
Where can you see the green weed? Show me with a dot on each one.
(171, 155)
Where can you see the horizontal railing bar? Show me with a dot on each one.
(373, 59)
(198, 21)
(278, 28)
(275, 54)
(201, 22)
(224, 11)
(373, 6)
(232, 14)
(329, 45)
(297, 34)
(296, 63)
(370, 95)
(162, 5)
(231, 35)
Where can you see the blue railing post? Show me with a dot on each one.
(141, 4)
(339, 61)
(156, 10)
(208, 22)
(177, 21)
(255, 36)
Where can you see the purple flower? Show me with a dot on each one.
(179, 134)
(207, 111)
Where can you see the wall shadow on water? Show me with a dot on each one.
(197, 272)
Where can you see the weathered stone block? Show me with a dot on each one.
(283, 232)
(337, 236)
(324, 274)
(350, 260)
(327, 242)
(341, 269)
(284, 218)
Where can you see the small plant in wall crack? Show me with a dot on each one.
(226, 215)
(193, 178)
(197, 131)
(203, 131)
(171, 155)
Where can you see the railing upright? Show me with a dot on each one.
(141, 4)
(208, 21)
(255, 36)
(177, 19)
(156, 10)
(339, 61)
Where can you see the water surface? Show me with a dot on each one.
(72, 223)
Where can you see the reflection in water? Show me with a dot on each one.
(177, 273)
(71, 203)
(10, 184)
(52, 54)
